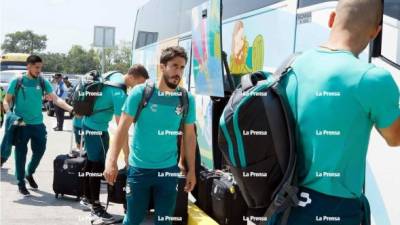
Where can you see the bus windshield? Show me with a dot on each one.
(13, 61)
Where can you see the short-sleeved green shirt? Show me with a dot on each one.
(154, 144)
(112, 99)
(339, 100)
(29, 99)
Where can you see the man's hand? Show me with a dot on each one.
(182, 166)
(111, 172)
(190, 181)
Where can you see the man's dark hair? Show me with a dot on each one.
(57, 75)
(32, 59)
(138, 70)
(172, 52)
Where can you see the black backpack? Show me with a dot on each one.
(88, 89)
(257, 138)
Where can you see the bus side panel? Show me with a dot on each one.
(203, 111)
(261, 39)
(149, 56)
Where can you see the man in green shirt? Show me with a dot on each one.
(96, 137)
(153, 169)
(28, 105)
(337, 100)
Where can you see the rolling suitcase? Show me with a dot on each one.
(204, 186)
(228, 205)
(68, 174)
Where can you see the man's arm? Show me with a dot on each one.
(391, 134)
(59, 102)
(7, 102)
(125, 147)
(111, 169)
(189, 142)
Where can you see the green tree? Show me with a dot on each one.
(24, 42)
(54, 62)
(118, 58)
(81, 61)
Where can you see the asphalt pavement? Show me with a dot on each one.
(42, 208)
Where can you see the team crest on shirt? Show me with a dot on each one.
(38, 87)
(153, 107)
(178, 110)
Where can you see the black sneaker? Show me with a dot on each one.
(100, 216)
(31, 181)
(22, 189)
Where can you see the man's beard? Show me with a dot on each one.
(170, 84)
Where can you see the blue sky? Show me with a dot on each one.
(68, 22)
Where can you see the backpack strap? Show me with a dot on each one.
(250, 80)
(108, 75)
(18, 86)
(184, 101)
(285, 67)
(107, 81)
(42, 85)
(147, 93)
(117, 85)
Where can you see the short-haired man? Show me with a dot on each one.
(154, 150)
(338, 99)
(28, 105)
(96, 137)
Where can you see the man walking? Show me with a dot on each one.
(95, 129)
(153, 169)
(25, 93)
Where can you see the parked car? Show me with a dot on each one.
(6, 76)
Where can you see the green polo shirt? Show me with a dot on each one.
(339, 100)
(154, 144)
(29, 99)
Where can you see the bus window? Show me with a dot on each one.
(391, 31)
(250, 48)
(13, 61)
(305, 3)
(236, 7)
(175, 19)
